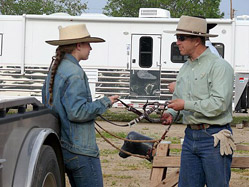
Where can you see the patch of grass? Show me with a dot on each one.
(104, 161)
(106, 152)
(244, 172)
(134, 183)
(114, 183)
(241, 152)
(107, 135)
(145, 128)
(130, 166)
(146, 164)
(244, 178)
(245, 143)
(126, 116)
(117, 176)
(107, 175)
(240, 119)
(174, 140)
(123, 177)
(123, 116)
(175, 151)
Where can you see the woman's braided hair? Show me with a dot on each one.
(56, 60)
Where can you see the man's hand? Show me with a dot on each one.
(166, 119)
(114, 99)
(225, 138)
(177, 104)
(171, 87)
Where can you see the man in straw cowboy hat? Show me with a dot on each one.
(66, 91)
(203, 95)
(208, 43)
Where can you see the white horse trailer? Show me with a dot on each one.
(137, 61)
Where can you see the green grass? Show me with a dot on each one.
(126, 116)
(174, 140)
(241, 171)
(146, 164)
(241, 152)
(130, 166)
(122, 116)
(105, 161)
(106, 152)
(107, 135)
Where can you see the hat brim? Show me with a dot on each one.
(74, 41)
(190, 33)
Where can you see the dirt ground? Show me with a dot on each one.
(135, 172)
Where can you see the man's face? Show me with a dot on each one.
(186, 44)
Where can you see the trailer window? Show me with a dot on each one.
(1, 43)
(220, 48)
(176, 57)
(145, 51)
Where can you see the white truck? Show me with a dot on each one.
(137, 61)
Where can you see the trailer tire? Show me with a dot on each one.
(47, 172)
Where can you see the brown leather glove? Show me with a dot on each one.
(225, 138)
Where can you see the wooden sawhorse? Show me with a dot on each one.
(163, 160)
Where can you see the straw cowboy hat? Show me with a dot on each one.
(195, 26)
(74, 34)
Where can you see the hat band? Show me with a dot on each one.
(193, 32)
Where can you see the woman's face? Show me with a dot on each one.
(85, 49)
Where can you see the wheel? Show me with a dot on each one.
(47, 172)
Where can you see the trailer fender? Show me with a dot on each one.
(30, 154)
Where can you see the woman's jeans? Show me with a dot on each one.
(201, 162)
(82, 171)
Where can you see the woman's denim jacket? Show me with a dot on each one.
(73, 102)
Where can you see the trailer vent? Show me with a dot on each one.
(243, 17)
(153, 13)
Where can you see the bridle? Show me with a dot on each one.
(148, 108)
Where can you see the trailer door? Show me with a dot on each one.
(145, 66)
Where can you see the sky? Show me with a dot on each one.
(241, 7)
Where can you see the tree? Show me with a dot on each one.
(130, 8)
(19, 7)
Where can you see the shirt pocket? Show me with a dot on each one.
(200, 86)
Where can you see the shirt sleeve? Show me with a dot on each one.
(221, 93)
(78, 103)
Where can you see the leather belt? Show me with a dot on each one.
(198, 126)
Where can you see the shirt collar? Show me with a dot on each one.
(71, 58)
(203, 55)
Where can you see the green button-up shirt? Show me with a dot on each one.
(206, 86)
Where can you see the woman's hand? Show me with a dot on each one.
(114, 98)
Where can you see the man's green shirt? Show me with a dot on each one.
(206, 86)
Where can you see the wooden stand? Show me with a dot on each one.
(163, 160)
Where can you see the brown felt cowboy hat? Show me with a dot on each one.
(195, 26)
(74, 34)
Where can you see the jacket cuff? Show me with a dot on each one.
(106, 102)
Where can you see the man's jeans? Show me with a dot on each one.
(201, 163)
(82, 171)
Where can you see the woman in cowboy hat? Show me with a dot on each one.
(203, 94)
(66, 91)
